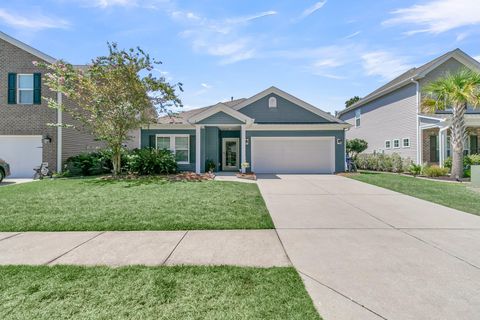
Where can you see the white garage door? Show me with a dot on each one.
(23, 153)
(293, 154)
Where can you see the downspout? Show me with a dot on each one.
(59, 132)
(419, 153)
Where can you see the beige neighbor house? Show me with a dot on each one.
(26, 138)
(390, 118)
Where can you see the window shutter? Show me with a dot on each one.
(12, 88)
(151, 141)
(473, 145)
(37, 88)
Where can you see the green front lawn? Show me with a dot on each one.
(143, 204)
(72, 292)
(451, 195)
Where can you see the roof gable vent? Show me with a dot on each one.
(272, 102)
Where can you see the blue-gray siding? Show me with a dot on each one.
(285, 112)
(221, 118)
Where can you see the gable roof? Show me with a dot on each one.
(27, 48)
(219, 107)
(414, 74)
(290, 98)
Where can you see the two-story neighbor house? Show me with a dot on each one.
(391, 120)
(26, 138)
(273, 131)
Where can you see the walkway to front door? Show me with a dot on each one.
(369, 253)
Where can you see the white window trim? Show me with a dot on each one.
(172, 144)
(18, 87)
(358, 116)
(385, 144)
(403, 143)
(393, 144)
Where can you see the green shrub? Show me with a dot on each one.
(150, 161)
(382, 162)
(210, 165)
(87, 164)
(474, 159)
(434, 171)
(415, 169)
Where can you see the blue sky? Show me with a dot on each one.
(321, 51)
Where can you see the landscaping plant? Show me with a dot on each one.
(356, 146)
(454, 91)
(434, 171)
(415, 169)
(112, 96)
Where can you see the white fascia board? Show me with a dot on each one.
(290, 98)
(298, 127)
(169, 126)
(220, 107)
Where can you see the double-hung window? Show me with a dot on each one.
(406, 142)
(358, 115)
(388, 144)
(178, 144)
(25, 88)
(396, 143)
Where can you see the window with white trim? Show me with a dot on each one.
(25, 88)
(406, 142)
(358, 115)
(388, 144)
(396, 143)
(178, 144)
(272, 102)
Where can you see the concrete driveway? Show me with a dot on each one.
(365, 252)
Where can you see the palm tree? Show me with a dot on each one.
(456, 91)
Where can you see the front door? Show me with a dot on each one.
(230, 153)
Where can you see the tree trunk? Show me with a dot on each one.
(458, 132)
(116, 161)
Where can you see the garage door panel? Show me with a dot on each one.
(23, 153)
(293, 155)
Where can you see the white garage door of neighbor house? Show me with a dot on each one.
(293, 154)
(22, 153)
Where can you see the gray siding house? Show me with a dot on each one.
(26, 139)
(390, 118)
(272, 131)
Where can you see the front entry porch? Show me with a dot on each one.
(220, 148)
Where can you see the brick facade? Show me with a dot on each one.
(16, 119)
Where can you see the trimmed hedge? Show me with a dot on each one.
(383, 162)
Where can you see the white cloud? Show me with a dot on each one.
(34, 22)
(317, 6)
(206, 85)
(221, 38)
(437, 16)
(150, 4)
(384, 64)
(352, 35)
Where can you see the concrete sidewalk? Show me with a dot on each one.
(257, 248)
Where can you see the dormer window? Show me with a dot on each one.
(272, 102)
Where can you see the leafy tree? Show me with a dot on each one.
(456, 91)
(113, 95)
(351, 101)
(356, 146)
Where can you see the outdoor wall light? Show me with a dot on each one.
(46, 139)
(339, 141)
(246, 141)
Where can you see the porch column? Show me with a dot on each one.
(442, 140)
(243, 151)
(197, 148)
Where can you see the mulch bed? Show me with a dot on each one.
(248, 176)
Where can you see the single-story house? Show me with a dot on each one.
(272, 131)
